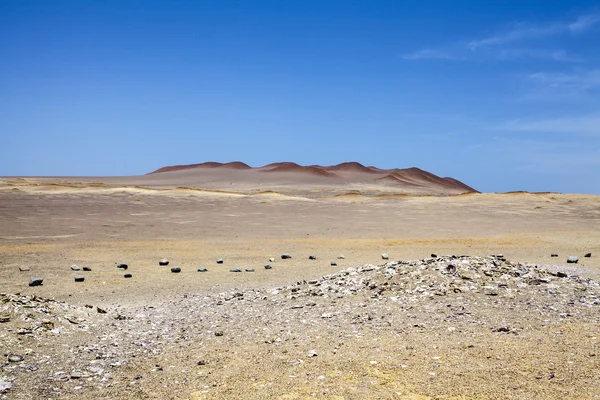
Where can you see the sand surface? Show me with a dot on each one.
(50, 224)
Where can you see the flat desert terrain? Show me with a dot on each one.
(469, 305)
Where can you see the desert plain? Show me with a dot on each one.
(366, 328)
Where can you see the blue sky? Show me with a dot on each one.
(501, 95)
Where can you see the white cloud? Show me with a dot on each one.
(584, 22)
(587, 125)
(431, 54)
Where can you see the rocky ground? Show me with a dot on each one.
(449, 327)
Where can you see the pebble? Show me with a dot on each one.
(23, 268)
(333, 263)
(433, 255)
(4, 317)
(267, 266)
(219, 333)
(79, 278)
(176, 270)
(272, 259)
(219, 261)
(100, 310)
(249, 269)
(553, 255)
(341, 257)
(384, 256)
(75, 267)
(36, 282)
(312, 353)
(127, 276)
(122, 266)
(201, 362)
(202, 269)
(5, 386)
(588, 255)
(15, 358)
(163, 261)
(286, 256)
(572, 260)
(235, 270)
(87, 269)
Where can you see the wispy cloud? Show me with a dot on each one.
(508, 44)
(586, 125)
(576, 85)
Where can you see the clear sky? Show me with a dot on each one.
(503, 95)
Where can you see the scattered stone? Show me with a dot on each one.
(433, 255)
(341, 257)
(384, 256)
(4, 317)
(127, 276)
(14, 358)
(5, 386)
(235, 270)
(87, 269)
(219, 261)
(249, 269)
(76, 375)
(36, 282)
(79, 278)
(588, 255)
(553, 255)
(219, 333)
(75, 267)
(24, 268)
(163, 261)
(272, 259)
(312, 353)
(100, 310)
(285, 256)
(312, 257)
(333, 263)
(201, 362)
(176, 270)
(572, 260)
(202, 269)
(122, 266)
(267, 266)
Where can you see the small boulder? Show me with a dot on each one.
(588, 255)
(572, 260)
(202, 269)
(79, 278)
(268, 266)
(384, 256)
(341, 257)
(312, 257)
(553, 255)
(36, 282)
(176, 270)
(333, 263)
(285, 256)
(23, 268)
(163, 261)
(122, 266)
(235, 270)
(75, 267)
(433, 255)
(127, 276)
(219, 261)
(87, 269)
(14, 358)
(272, 259)
(249, 269)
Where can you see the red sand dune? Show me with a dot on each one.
(344, 173)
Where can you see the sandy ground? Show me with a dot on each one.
(48, 227)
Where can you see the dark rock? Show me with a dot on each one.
(201, 362)
(163, 261)
(285, 256)
(219, 261)
(235, 270)
(176, 270)
(312, 257)
(122, 266)
(267, 266)
(249, 269)
(202, 269)
(219, 333)
(553, 255)
(100, 310)
(79, 278)
(4, 317)
(333, 263)
(561, 275)
(433, 255)
(588, 255)
(36, 282)
(572, 260)
(75, 267)
(127, 276)
(87, 269)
